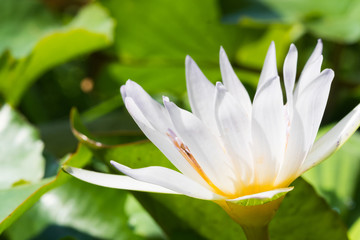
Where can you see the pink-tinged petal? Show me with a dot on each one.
(268, 114)
(269, 70)
(311, 69)
(235, 130)
(311, 103)
(115, 181)
(205, 147)
(332, 140)
(168, 179)
(233, 84)
(162, 142)
(153, 111)
(201, 94)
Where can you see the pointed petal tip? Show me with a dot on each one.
(292, 48)
(328, 72)
(119, 166)
(222, 50)
(219, 85)
(188, 60)
(68, 169)
(165, 99)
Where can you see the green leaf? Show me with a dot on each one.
(83, 135)
(354, 232)
(157, 60)
(85, 33)
(20, 198)
(336, 178)
(99, 212)
(328, 19)
(21, 150)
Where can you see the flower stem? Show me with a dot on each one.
(256, 233)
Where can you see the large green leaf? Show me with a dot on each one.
(21, 150)
(336, 178)
(16, 200)
(153, 54)
(328, 19)
(102, 213)
(90, 30)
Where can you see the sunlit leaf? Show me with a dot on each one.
(85, 32)
(153, 54)
(318, 17)
(15, 201)
(21, 150)
(99, 212)
(336, 178)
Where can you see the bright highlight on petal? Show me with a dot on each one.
(241, 154)
(115, 181)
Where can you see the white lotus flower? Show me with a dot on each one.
(230, 149)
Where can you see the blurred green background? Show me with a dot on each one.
(60, 54)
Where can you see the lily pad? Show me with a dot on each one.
(21, 149)
(20, 198)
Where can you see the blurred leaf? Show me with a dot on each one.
(90, 30)
(21, 150)
(83, 135)
(252, 54)
(31, 20)
(153, 54)
(336, 178)
(99, 212)
(354, 232)
(15, 201)
(328, 19)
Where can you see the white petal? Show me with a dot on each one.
(268, 112)
(204, 146)
(290, 75)
(235, 130)
(201, 94)
(332, 140)
(269, 70)
(263, 195)
(233, 84)
(115, 181)
(311, 69)
(295, 152)
(153, 111)
(311, 104)
(162, 141)
(168, 179)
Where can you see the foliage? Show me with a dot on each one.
(57, 55)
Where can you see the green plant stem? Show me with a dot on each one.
(257, 233)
